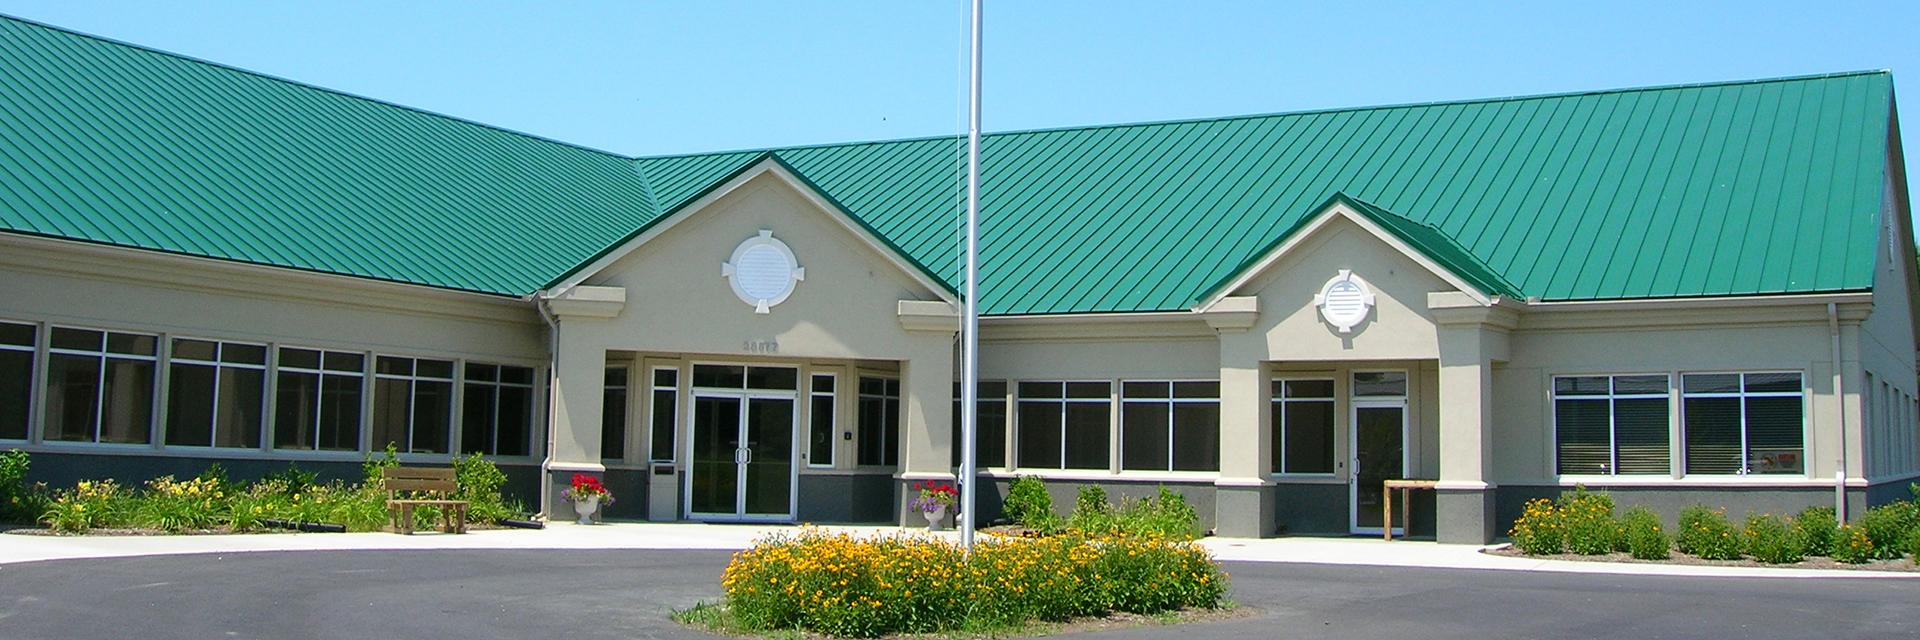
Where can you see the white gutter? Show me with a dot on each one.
(1839, 397)
(553, 382)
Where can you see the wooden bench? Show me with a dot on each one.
(1405, 487)
(417, 481)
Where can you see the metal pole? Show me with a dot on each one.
(970, 314)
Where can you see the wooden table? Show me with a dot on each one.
(1405, 487)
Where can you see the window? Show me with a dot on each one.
(1612, 425)
(722, 376)
(990, 417)
(1742, 423)
(16, 378)
(1065, 425)
(666, 393)
(216, 394)
(497, 418)
(1383, 384)
(317, 400)
(1170, 426)
(879, 421)
(613, 415)
(1302, 424)
(100, 386)
(820, 426)
(412, 404)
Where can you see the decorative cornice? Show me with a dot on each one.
(932, 316)
(588, 302)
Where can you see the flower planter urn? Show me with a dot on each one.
(935, 517)
(585, 509)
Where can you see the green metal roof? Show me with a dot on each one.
(1743, 188)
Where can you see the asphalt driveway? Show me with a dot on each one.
(480, 595)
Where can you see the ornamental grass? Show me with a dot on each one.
(842, 585)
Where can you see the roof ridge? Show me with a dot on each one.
(1277, 114)
(307, 85)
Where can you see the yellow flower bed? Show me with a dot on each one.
(844, 585)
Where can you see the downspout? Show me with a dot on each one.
(1840, 401)
(553, 378)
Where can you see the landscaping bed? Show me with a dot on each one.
(1812, 562)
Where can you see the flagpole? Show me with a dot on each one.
(970, 314)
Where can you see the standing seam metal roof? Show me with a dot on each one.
(1744, 188)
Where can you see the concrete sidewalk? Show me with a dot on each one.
(16, 548)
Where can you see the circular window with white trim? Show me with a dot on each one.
(1344, 301)
(763, 271)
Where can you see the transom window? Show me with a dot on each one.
(879, 421)
(100, 386)
(1744, 423)
(1170, 426)
(1303, 411)
(726, 376)
(17, 344)
(216, 394)
(317, 400)
(1065, 425)
(1608, 425)
(1380, 384)
(497, 415)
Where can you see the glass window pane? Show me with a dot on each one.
(1097, 390)
(1089, 434)
(1773, 382)
(1713, 435)
(613, 416)
(391, 397)
(719, 376)
(516, 421)
(823, 383)
(1583, 442)
(663, 425)
(345, 362)
(1711, 383)
(1208, 389)
(126, 404)
(72, 402)
(190, 404)
(432, 416)
(339, 428)
(892, 422)
(666, 378)
(1774, 435)
(1641, 429)
(243, 353)
(1308, 388)
(1380, 383)
(1039, 435)
(392, 366)
(1196, 436)
(184, 349)
(516, 375)
(77, 339)
(1640, 385)
(442, 369)
(781, 378)
(1308, 437)
(1580, 385)
(16, 334)
(477, 408)
(296, 408)
(300, 358)
(483, 372)
(16, 383)
(991, 445)
(1144, 433)
(1040, 390)
(820, 429)
(993, 388)
(133, 344)
(242, 408)
(1143, 390)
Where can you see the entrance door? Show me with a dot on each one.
(1379, 454)
(742, 464)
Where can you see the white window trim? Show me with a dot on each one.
(36, 350)
(1680, 419)
(1169, 401)
(493, 431)
(413, 380)
(1109, 400)
(100, 384)
(319, 412)
(860, 395)
(162, 427)
(1613, 438)
(673, 421)
(1280, 443)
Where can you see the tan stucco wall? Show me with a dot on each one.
(1892, 450)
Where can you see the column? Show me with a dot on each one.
(581, 318)
(1472, 337)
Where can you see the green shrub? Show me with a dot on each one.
(1851, 545)
(1165, 514)
(1706, 533)
(480, 483)
(19, 501)
(175, 507)
(292, 479)
(1029, 504)
(1771, 540)
(1913, 545)
(1539, 531)
(1091, 511)
(90, 505)
(842, 585)
(1642, 535)
(1815, 527)
(1888, 525)
(1588, 521)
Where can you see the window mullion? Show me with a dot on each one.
(1613, 433)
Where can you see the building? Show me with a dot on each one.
(1681, 294)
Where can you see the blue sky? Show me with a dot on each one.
(670, 77)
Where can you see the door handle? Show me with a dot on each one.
(749, 456)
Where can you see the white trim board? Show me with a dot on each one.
(1319, 223)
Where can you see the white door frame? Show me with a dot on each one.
(1353, 457)
(746, 398)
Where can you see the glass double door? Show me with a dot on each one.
(742, 457)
